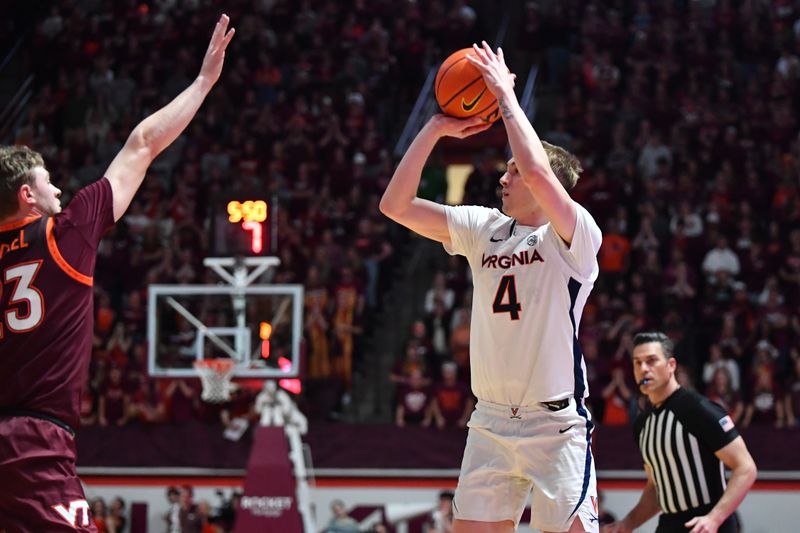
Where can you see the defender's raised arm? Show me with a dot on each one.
(155, 133)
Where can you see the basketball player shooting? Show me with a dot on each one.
(47, 258)
(533, 266)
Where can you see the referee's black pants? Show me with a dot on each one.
(674, 522)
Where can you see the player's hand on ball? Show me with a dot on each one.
(447, 126)
(215, 55)
(499, 79)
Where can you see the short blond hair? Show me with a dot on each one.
(565, 166)
(16, 169)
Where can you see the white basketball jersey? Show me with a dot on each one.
(529, 293)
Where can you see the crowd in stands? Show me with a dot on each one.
(683, 113)
(109, 517)
(684, 116)
(185, 515)
(312, 95)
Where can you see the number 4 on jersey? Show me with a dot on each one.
(511, 305)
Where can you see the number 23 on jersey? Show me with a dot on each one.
(20, 279)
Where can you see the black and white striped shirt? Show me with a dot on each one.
(678, 441)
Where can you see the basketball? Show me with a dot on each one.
(461, 91)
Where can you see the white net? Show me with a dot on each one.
(216, 375)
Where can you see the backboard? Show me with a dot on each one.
(260, 326)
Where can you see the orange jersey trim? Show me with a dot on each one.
(60, 261)
(19, 223)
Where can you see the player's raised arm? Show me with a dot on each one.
(400, 202)
(151, 136)
(529, 153)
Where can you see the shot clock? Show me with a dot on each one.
(243, 227)
(251, 214)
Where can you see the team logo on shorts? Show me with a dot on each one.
(532, 240)
(71, 513)
(514, 415)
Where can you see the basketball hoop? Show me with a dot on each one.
(215, 375)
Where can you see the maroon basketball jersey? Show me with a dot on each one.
(46, 268)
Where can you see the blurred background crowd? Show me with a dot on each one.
(683, 114)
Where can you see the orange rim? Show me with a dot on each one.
(218, 365)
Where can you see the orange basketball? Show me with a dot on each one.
(461, 91)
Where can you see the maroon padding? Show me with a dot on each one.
(138, 517)
(337, 445)
(269, 502)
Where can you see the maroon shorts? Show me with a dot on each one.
(40, 490)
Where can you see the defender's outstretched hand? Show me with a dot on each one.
(153, 134)
(499, 79)
(215, 55)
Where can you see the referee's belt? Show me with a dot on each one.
(11, 411)
(556, 405)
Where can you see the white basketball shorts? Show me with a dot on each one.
(512, 452)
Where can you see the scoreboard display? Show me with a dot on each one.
(251, 214)
(243, 227)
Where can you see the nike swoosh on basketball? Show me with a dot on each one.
(566, 429)
(469, 106)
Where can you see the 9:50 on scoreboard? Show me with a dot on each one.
(251, 214)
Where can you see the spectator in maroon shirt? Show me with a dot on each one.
(413, 360)
(720, 391)
(452, 402)
(791, 398)
(738, 322)
(112, 403)
(119, 345)
(373, 251)
(774, 316)
(181, 400)
(413, 402)
(88, 407)
(765, 405)
(716, 360)
(438, 324)
(790, 269)
(680, 287)
(146, 404)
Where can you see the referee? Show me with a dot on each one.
(685, 439)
